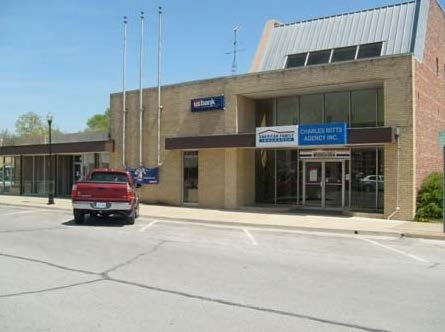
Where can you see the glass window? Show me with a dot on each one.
(190, 170)
(344, 54)
(287, 111)
(319, 57)
(311, 109)
(369, 50)
(264, 113)
(364, 108)
(380, 106)
(287, 176)
(265, 176)
(367, 179)
(296, 60)
(337, 107)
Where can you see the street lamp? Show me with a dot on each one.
(49, 118)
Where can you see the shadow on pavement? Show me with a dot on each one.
(99, 222)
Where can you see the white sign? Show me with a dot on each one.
(276, 137)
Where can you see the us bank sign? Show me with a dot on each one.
(208, 104)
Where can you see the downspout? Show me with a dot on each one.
(397, 136)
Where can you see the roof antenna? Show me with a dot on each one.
(235, 28)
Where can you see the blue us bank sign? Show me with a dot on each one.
(208, 104)
(323, 134)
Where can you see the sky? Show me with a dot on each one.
(65, 57)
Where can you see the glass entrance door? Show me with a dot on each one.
(324, 184)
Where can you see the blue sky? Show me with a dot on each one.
(65, 56)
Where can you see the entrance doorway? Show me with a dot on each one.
(324, 184)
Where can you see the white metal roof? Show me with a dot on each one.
(396, 26)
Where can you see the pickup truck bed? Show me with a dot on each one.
(103, 193)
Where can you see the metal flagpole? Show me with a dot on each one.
(159, 88)
(124, 110)
(140, 89)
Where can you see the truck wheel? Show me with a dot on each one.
(131, 217)
(78, 217)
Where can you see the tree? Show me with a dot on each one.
(99, 122)
(29, 124)
(7, 138)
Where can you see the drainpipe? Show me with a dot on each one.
(397, 136)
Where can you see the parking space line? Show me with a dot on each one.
(144, 228)
(251, 237)
(417, 258)
(18, 212)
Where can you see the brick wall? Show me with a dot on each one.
(430, 96)
(227, 176)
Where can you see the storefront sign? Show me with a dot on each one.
(322, 134)
(274, 137)
(325, 154)
(208, 104)
(144, 175)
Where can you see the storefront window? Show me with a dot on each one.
(264, 113)
(265, 176)
(311, 109)
(9, 181)
(287, 111)
(287, 176)
(364, 108)
(337, 107)
(357, 108)
(190, 170)
(367, 179)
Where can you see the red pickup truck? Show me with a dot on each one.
(105, 192)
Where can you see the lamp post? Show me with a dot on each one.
(49, 118)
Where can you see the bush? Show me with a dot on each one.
(430, 198)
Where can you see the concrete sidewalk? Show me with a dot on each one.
(258, 217)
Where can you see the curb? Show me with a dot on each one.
(277, 227)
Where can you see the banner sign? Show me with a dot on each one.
(144, 175)
(208, 104)
(275, 137)
(323, 134)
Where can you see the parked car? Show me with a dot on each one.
(371, 182)
(103, 193)
(5, 182)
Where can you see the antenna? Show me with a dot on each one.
(235, 29)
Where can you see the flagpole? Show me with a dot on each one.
(159, 88)
(140, 89)
(124, 110)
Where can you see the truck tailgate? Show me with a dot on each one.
(102, 191)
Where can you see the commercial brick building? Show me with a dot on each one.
(374, 77)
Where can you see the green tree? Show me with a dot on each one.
(29, 124)
(7, 138)
(99, 122)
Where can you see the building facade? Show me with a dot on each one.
(25, 169)
(375, 77)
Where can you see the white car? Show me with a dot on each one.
(371, 182)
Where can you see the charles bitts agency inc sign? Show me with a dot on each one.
(208, 104)
(302, 135)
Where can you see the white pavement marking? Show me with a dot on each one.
(417, 258)
(250, 236)
(19, 212)
(143, 229)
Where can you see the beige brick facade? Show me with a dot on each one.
(414, 99)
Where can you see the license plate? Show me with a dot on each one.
(101, 205)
